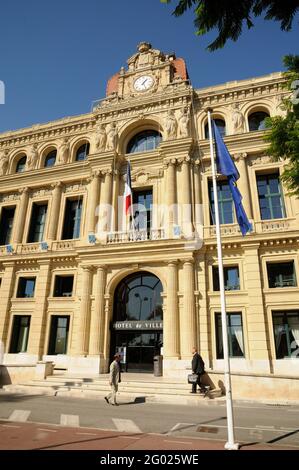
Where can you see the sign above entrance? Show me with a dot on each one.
(138, 325)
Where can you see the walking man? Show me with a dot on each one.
(198, 367)
(114, 379)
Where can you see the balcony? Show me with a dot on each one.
(135, 236)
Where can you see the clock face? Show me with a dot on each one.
(143, 83)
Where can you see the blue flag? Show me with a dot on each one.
(227, 167)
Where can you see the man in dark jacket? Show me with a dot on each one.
(198, 367)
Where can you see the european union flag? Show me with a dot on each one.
(227, 167)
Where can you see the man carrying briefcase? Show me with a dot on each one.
(198, 368)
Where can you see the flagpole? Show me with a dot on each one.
(230, 444)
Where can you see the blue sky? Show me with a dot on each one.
(55, 57)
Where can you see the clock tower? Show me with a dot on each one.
(149, 71)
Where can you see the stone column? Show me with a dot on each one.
(93, 201)
(97, 324)
(187, 315)
(115, 201)
(21, 218)
(243, 183)
(171, 343)
(38, 323)
(256, 316)
(85, 311)
(185, 191)
(105, 208)
(198, 210)
(7, 286)
(55, 211)
(171, 199)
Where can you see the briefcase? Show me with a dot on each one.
(192, 378)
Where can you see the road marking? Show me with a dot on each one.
(69, 420)
(179, 442)
(47, 430)
(126, 425)
(19, 415)
(261, 426)
(86, 434)
(131, 437)
(178, 425)
(10, 426)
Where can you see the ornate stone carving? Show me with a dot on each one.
(112, 135)
(145, 57)
(238, 120)
(32, 157)
(10, 197)
(63, 152)
(100, 138)
(170, 125)
(260, 160)
(183, 122)
(41, 192)
(3, 162)
(75, 188)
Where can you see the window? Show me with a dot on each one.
(38, 222)
(138, 298)
(220, 124)
(256, 121)
(281, 274)
(231, 278)
(59, 335)
(286, 334)
(144, 141)
(82, 152)
(63, 286)
(225, 203)
(21, 165)
(26, 287)
(235, 335)
(270, 196)
(72, 219)
(6, 224)
(50, 159)
(20, 334)
(143, 216)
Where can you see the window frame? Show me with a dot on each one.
(284, 314)
(221, 201)
(282, 262)
(18, 287)
(158, 138)
(217, 315)
(7, 208)
(15, 335)
(268, 196)
(55, 318)
(64, 275)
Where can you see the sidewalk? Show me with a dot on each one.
(36, 436)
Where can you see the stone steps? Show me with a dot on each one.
(156, 390)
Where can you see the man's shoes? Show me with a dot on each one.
(106, 400)
(192, 392)
(115, 404)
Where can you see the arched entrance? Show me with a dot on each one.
(137, 326)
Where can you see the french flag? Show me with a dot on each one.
(128, 190)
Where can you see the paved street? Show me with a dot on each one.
(269, 425)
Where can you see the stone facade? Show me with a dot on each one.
(178, 171)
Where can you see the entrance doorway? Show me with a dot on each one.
(137, 327)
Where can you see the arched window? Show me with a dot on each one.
(256, 121)
(138, 298)
(144, 141)
(220, 123)
(82, 152)
(50, 159)
(21, 164)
